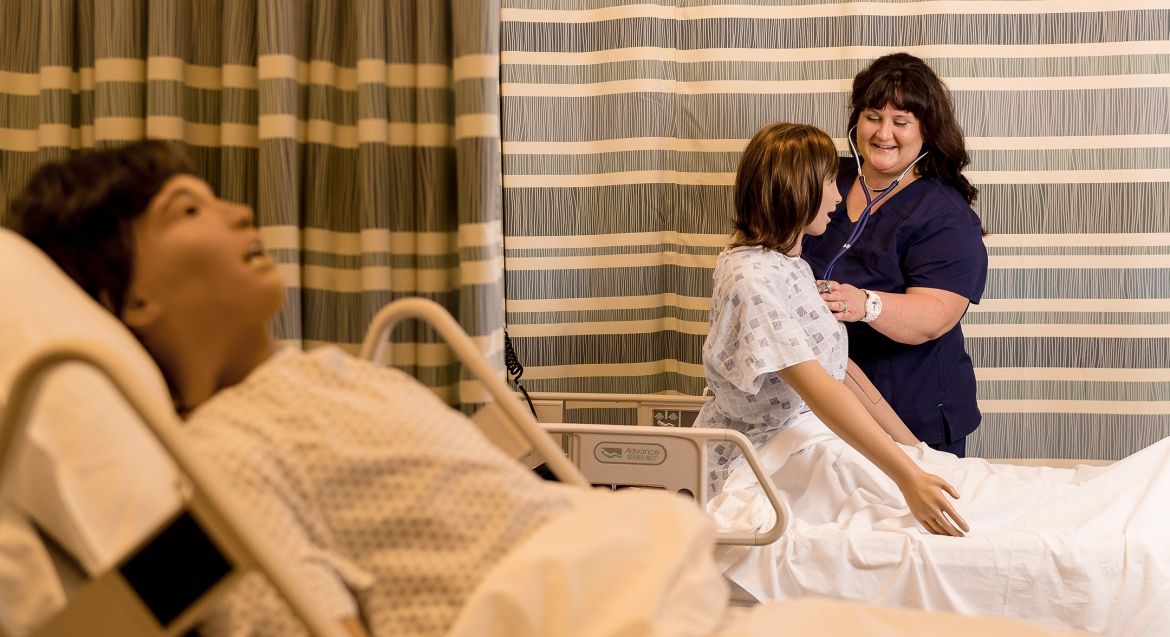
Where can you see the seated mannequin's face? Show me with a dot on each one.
(830, 197)
(198, 259)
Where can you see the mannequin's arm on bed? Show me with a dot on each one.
(872, 400)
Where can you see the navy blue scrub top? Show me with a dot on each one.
(926, 235)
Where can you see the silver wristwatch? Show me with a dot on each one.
(873, 307)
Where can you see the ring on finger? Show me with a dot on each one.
(844, 307)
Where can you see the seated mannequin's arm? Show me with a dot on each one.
(841, 413)
(354, 627)
(878, 408)
(926, 494)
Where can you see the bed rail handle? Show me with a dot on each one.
(435, 315)
(701, 437)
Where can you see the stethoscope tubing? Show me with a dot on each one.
(870, 202)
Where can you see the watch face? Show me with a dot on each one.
(873, 306)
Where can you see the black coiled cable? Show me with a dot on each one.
(512, 364)
(516, 370)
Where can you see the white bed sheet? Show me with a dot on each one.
(639, 564)
(1086, 547)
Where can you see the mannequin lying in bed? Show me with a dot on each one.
(398, 513)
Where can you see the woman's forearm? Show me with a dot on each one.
(918, 316)
(913, 318)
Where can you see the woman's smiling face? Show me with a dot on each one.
(888, 140)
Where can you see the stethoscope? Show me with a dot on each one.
(870, 202)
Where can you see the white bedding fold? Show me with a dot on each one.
(626, 563)
(1084, 547)
(639, 565)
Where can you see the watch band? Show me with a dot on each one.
(873, 306)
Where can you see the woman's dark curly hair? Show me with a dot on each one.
(909, 84)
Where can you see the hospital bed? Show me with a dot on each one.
(1095, 558)
(670, 460)
(77, 386)
(105, 523)
(1013, 571)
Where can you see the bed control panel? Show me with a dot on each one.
(669, 416)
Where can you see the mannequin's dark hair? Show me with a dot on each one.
(79, 211)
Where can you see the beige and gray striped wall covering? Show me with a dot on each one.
(365, 135)
(622, 124)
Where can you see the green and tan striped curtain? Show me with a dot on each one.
(364, 133)
(622, 124)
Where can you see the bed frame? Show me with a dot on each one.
(614, 456)
(162, 586)
(136, 597)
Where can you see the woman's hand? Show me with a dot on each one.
(931, 507)
(847, 303)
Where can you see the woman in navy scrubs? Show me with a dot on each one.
(903, 255)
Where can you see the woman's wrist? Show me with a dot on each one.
(856, 303)
(872, 307)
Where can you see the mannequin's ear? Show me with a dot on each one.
(140, 313)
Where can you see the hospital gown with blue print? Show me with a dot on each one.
(766, 316)
(392, 505)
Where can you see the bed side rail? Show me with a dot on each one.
(130, 599)
(668, 458)
(650, 410)
(374, 349)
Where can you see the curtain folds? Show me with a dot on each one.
(364, 134)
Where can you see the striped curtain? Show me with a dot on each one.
(365, 135)
(622, 125)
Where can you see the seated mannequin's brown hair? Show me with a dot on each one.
(779, 184)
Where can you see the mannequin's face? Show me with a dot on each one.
(197, 257)
(830, 197)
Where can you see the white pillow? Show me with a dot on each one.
(30, 592)
(90, 473)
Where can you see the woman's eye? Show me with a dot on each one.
(190, 211)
